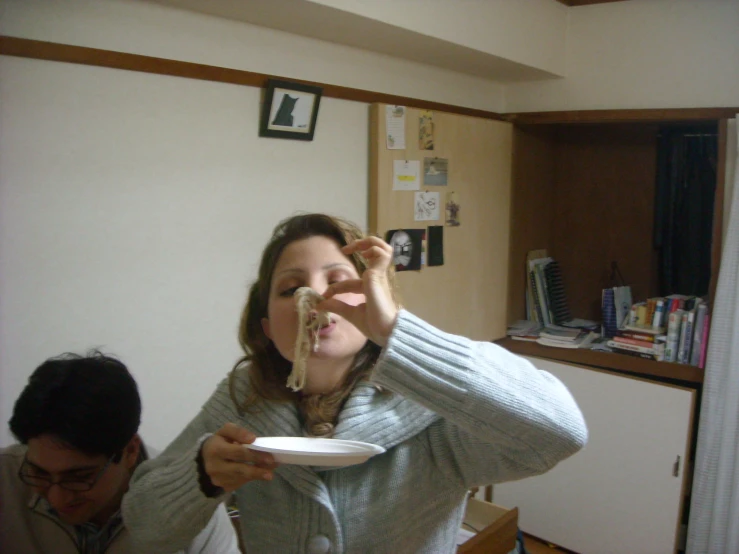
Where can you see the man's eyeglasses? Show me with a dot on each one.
(30, 476)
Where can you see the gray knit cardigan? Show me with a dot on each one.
(460, 414)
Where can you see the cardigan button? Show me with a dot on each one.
(319, 545)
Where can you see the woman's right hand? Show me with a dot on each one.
(229, 465)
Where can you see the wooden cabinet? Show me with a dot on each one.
(584, 192)
(624, 491)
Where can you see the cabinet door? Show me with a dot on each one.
(623, 492)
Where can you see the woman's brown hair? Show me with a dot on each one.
(267, 369)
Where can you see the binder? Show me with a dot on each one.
(608, 308)
(556, 292)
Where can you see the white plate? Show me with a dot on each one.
(316, 452)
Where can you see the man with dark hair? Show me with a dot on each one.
(61, 488)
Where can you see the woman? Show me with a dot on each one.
(451, 414)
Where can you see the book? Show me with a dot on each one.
(651, 307)
(557, 332)
(530, 308)
(524, 328)
(583, 324)
(659, 311)
(635, 342)
(656, 349)
(636, 335)
(646, 330)
(527, 338)
(653, 357)
(635, 316)
(685, 341)
(581, 342)
(535, 306)
(674, 323)
(556, 293)
(541, 291)
(608, 309)
(641, 315)
(545, 288)
(677, 301)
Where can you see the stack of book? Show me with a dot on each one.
(639, 341)
(565, 337)
(525, 330)
(672, 328)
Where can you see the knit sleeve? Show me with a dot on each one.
(165, 507)
(502, 419)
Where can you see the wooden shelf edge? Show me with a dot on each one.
(622, 115)
(607, 361)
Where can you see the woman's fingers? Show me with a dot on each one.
(242, 454)
(220, 449)
(230, 464)
(230, 475)
(375, 250)
(376, 317)
(363, 244)
(355, 286)
(233, 433)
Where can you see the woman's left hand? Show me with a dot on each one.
(376, 317)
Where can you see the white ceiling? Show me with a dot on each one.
(326, 23)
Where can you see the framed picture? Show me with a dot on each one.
(290, 110)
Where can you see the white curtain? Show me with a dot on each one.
(714, 509)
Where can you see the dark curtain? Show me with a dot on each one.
(683, 222)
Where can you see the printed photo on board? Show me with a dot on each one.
(407, 248)
(452, 209)
(435, 171)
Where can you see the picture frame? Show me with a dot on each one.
(289, 110)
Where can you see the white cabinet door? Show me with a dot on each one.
(619, 494)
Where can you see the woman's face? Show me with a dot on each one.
(315, 262)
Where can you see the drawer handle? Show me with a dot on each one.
(676, 467)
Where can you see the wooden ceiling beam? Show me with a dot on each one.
(40, 50)
(51, 51)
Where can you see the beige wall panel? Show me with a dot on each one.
(468, 294)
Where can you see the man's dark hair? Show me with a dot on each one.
(90, 403)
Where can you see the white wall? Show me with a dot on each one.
(133, 209)
(150, 29)
(643, 54)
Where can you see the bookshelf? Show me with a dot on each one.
(586, 193)
(658, 371)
